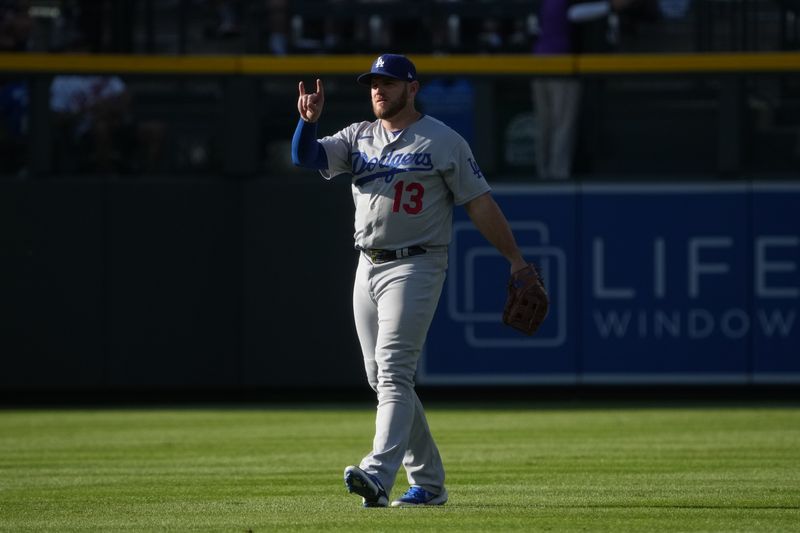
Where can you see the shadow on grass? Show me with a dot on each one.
(630, 506)
(449, 397)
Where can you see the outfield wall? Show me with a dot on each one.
(672, 283)
(176, 283)
(231, 284)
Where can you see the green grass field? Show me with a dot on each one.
(524, 468)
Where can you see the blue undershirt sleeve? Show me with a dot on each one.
(307, 151)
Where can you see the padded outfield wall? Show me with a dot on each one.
(227, 284)
(232, 281)
(671, 283)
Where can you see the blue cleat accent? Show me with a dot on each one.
(365, 485)
(415, 496)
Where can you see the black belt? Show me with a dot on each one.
(378, 256)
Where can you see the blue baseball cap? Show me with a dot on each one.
(392, 66)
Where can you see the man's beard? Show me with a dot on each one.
(393, 108)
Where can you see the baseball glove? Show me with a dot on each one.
(527, 302)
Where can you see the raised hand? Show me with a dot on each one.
(310, 105)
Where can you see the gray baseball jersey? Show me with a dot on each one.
(404, 183)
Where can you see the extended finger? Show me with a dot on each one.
(320, 90)
(302, 88)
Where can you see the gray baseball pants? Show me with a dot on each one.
(393, 305)
(557, 104)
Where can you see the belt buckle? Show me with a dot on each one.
(377, 256)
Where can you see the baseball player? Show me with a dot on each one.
(408, 170)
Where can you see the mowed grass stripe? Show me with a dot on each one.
(521, 468)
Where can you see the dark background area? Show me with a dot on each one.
(188, 284)
(225, 273)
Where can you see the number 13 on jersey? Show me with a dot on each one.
(408, 197)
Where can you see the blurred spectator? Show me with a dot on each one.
(351, 27)
(15, 32)
(15, 25)
(442, 23)
(556, 100)
(519, 38)
(568, 27)
(379, 31)
(674, 9)
(226, 16)
(95, 126)
(277, 27)
(13, 126)
(595, 27)
(490, 39)
(325, 31)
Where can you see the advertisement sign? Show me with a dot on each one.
(649, 284)
(467, 342)
(776, 284)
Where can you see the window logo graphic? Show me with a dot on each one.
(470, 253)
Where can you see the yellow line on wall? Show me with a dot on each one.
(427, 65)
(494, 64)
(713, 62)
(310, 65)
(118, 64)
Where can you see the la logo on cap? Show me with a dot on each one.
(379, 62)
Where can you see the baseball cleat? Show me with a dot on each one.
(415, 496)
(365, 485)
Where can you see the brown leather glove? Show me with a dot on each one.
(527, 302)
